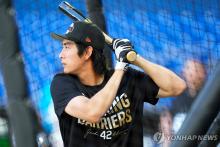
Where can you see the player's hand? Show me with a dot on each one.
(122, 47)
(121, 66)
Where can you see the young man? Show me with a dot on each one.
(97, 107)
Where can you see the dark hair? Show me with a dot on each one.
(98, 58)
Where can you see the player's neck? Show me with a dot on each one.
(89, 76)
(91, 79)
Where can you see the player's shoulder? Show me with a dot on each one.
(62, 78)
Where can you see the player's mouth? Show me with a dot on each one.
(63, 63)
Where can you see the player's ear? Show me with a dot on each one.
(88, 52)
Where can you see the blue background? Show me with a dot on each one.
(166, 32)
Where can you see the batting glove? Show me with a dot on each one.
(122, 47)
(121, 66)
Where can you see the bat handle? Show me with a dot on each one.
(108, 39)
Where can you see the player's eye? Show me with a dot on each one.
(67, 45)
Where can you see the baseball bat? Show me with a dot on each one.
(76, 15)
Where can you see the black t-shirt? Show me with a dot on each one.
(121, 126)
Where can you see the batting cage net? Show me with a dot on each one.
(167, 32)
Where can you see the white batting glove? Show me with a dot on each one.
(122, 47)
(121, 66)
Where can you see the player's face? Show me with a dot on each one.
(69, 57)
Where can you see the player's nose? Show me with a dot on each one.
(61, 55)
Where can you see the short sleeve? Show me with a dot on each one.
(146, 86)
(151, 90)
(63, 88)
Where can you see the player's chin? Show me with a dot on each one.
(66, 71)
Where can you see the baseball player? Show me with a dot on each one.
(98, 107)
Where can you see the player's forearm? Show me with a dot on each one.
(163, 77)
(102, 100)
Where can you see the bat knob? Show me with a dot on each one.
(131, 56)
